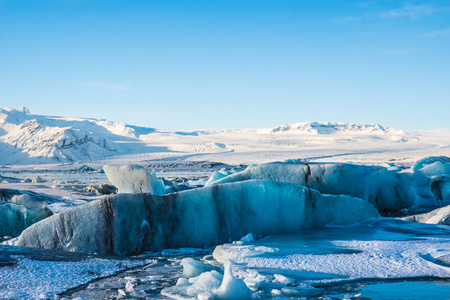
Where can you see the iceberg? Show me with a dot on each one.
(385, 189)
(134, 179)
(132, 223)
(14, 218)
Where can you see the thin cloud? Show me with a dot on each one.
(438, 33)
(413, 12)
(104, 85)
(348, 19)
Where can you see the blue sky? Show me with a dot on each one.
(209, 64)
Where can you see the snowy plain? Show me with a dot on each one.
(377, 258)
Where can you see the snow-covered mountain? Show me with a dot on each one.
(27, 138)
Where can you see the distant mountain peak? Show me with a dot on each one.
(329, 128)
(24, 110)
(28, 138)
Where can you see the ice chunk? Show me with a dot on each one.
(193, 268)
(232, 287)
(247, 239)
(14, 218)
(283, 279)
(134, 179)
(217, 175)
(28, 201)
(254, 283)
(386, 190)
(437, 216)
(130, 292)
(132, 223)
(37, 179)
(84, 169)
(207, 282)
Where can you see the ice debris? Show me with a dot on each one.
(130, 292)
(211, 285)
(133, 223)
(134, 179)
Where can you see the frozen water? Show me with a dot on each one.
(375, 249)
(34, 274)
(134, 179)
(321, 261)
(132, 223)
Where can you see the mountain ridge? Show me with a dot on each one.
(25, 137)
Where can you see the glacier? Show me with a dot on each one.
(132, 223)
